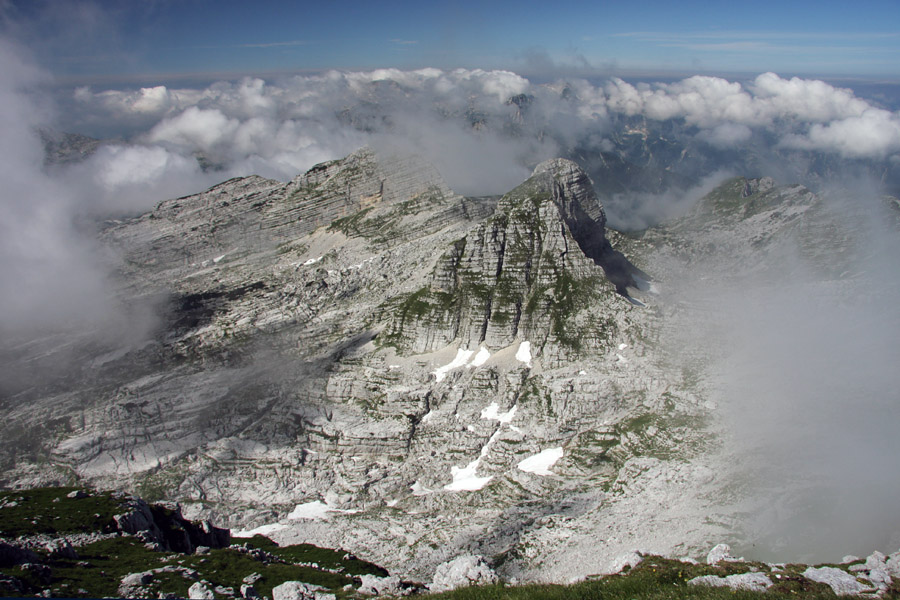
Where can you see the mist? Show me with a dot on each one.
(797, 345)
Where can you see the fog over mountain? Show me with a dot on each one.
(806, 377)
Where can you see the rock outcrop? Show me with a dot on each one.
(463, 571)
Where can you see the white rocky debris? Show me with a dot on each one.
(719, 553)
(297, 590)
(462, 571)
(382, 586)
(843, 583)
(630, 560)
(199, 590)
(540, 463)
(754, 582)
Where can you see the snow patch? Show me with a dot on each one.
(219, 258)
(314, 511)
(419, 490)
(261, 530)
(480, 358)
(492, 413)
(312, 261)
(523, 354)
(540, 463)
(465, 479)
(462, 357)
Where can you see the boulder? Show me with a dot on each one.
(755, 582)
(199, 591)
(719, 553)
(381, 586)
(297, 590)
(462, 572)
(841, 582)
(630, 560)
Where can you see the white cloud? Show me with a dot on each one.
(726, 135)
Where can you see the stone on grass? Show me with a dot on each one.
(381, 586)
(630, 560)
(297, 590)
(198, 591)
(719, 553)
(755, 582)
(841, 582)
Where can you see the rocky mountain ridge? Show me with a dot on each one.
(362, 358)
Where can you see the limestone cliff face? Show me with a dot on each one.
(523, 273)
(446, 374)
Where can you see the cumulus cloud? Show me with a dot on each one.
(726, 135)
(49, 274)
(282, 127)
(484, 130)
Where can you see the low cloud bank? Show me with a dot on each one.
(282, 127)
(799, 345)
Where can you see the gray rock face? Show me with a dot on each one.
(12, 555)
(463, 571)
(361, 358)
(168, 529)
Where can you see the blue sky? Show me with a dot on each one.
(84, 39)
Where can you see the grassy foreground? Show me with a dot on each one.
(97, 568)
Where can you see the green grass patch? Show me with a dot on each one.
(654, 579)
(49, 510)
(325, 558)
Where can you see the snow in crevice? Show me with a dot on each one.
(540, 463)
(466, 479)
(261, 530)
(523, 354)
(462, 357)
(419, 490)
(462, 360)
(492, 413)
(480, 358)
(315, 511)
(308, 511)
